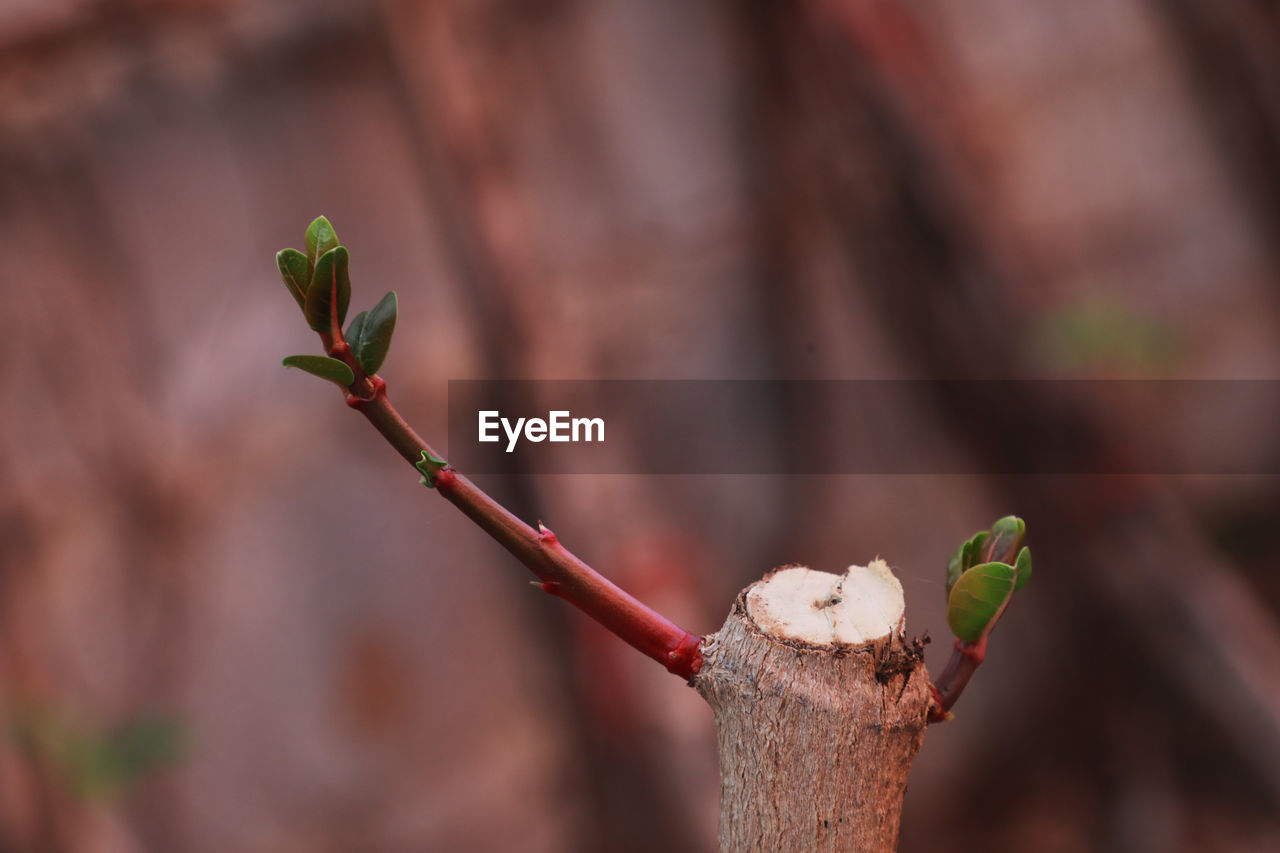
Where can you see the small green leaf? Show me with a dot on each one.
(355, 331)
(322, 366)
(331, 277)
(296, 272)
(978, 594)
(976, 545)
(1006, 538)
(956, 566)
(321, 238)
(430, 465)
(130, 751)
(978, 599)
(965, 557)
(93, 764)
(1023, 567)
(376, 338)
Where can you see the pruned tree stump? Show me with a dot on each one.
(820, 706)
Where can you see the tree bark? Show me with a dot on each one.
(815, 739)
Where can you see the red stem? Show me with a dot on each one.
(965, 659)
(559, 572)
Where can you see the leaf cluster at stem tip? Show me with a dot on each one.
(982, 577)
(320, 282)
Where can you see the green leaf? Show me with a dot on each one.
(296, 272)
(322, 366)
(330, 278)
(126, 753)
(321, 238)
(964, 558)
(375, 340)
(356, 331)
(1006, 538)
(956, 566)
(91, 763)
(976, 545)
(1023, 567)
(978, 594)
(978, 599)
(430, 465)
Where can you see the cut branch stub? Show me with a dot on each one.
(864, 605)
(820, 706)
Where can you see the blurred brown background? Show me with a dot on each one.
(230, 618)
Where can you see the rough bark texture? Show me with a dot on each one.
(815, 741)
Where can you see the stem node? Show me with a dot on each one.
(686, 658)
(446, 478)
(546, 538)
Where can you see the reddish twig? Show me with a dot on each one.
(559, 572)
(964, 661)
